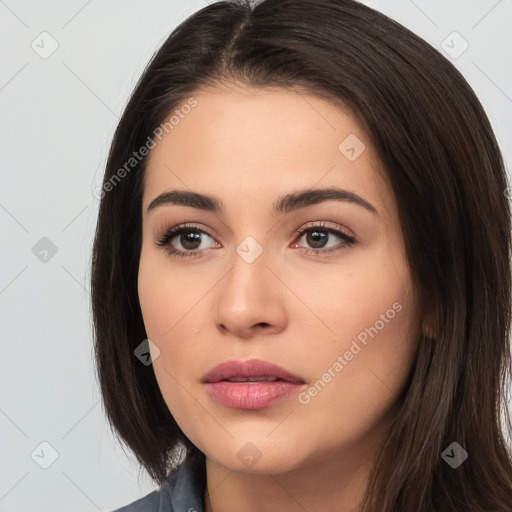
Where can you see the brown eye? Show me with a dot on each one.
(184, 241)
(189, 239)
(318, 237)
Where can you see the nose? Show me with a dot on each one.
(250, 300)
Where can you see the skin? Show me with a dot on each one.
(248, 147)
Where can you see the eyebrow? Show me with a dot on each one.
(285, 204)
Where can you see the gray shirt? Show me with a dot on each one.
(182, 492)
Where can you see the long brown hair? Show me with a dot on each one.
(437, 148)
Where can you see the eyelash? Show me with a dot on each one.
(165, 239)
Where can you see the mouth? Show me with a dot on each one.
(250, 370)
(250, 384)
(252, 379)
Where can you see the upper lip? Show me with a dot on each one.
(251, 368)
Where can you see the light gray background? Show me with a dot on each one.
(58, 117)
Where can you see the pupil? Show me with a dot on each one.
(190, 240)
(317, 238)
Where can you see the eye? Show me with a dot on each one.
(189, 237)
(318, 235)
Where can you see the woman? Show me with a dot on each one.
(250, 365)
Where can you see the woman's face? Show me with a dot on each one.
(333, 306)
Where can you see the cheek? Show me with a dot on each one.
(165, 316)
(174, 318)
(150, 293)
(168, 298)
(370, 287)
(371, 311)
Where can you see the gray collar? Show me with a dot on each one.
(184, 490)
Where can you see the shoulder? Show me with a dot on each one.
(182, 492)
(149, 503)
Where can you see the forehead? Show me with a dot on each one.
(251, 144)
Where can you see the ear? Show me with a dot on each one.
(429, 325)
(428, 330)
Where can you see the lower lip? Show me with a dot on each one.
(251, 395)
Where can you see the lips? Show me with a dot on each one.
(251, 370)
(250, 384)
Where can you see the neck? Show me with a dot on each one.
(336, 483)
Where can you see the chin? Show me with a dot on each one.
(259, 457)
